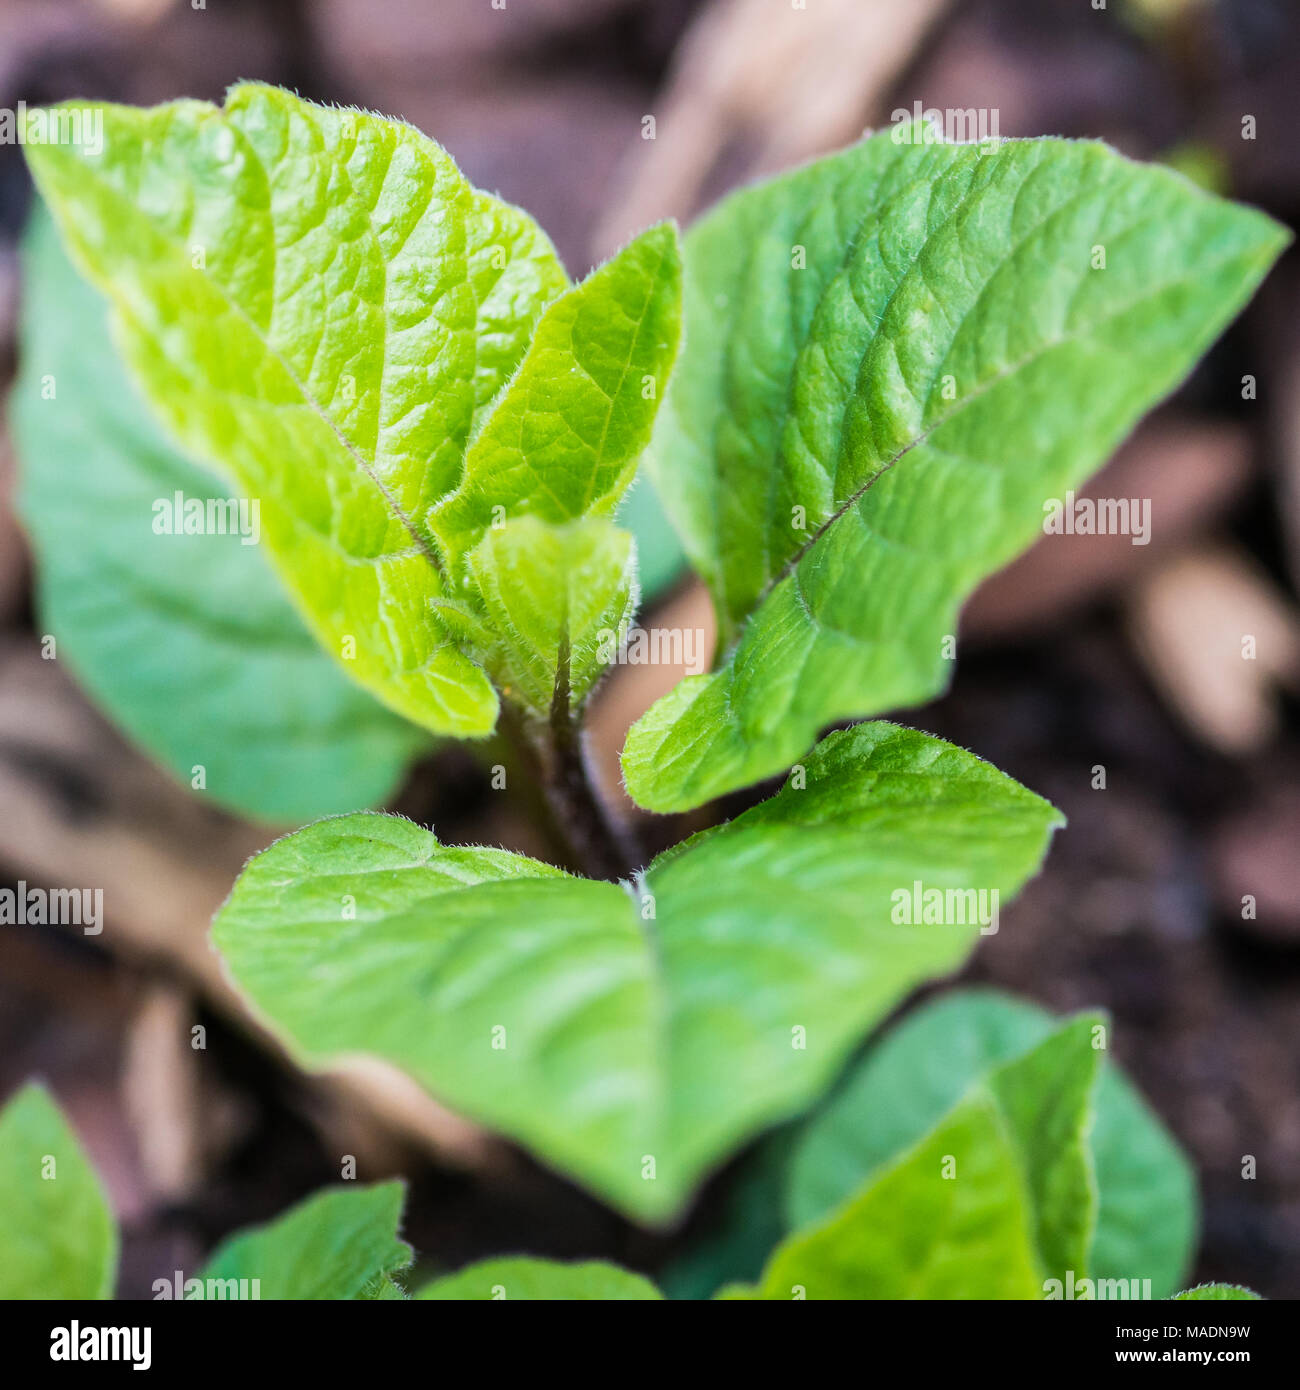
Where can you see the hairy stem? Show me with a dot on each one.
(603, 845)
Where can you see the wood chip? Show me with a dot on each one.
(1217, 636)
(83, 808)
(789, 82)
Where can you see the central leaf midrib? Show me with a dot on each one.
(872, 217)
(652, 283)
(976, 394)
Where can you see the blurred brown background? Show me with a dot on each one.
(1090, 651)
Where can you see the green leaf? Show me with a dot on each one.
(1218, 1293)
(999, 1195)
(1146, 1218)
(894, 357)
(363, 934)
(632, 1038)
(902, 1085)
(1149, 1213)
(318, 303)
(741, 1228)
(564, 439)
(661, 561)
(59, 1236)
(521, 1278)
(384, 1291)
(555, 601)
(951, 1219)
(338, 1244)
(798, 909)
(1046, 1097)
(187, 641)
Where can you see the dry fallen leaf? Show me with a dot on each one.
(1217, 636)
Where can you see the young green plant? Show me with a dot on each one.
(882, 365)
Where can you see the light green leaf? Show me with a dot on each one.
(1218, 1293)
(1046, 1097)
(318, 303)
(187, 641)
(634, 1038)
(1149, 1208)
(384, 1290)
(564, 439)
(899, 1089)
(520, 1278)
(338, 1244)
(951, 1219)
(894, 358)
(364, 935)
(555, 602)
(59, 1236)
(1146, 1218)
(1007, 1168)
(800, 909)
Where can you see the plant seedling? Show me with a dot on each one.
(854, 388)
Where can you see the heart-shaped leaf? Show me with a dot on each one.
(633, 1037)
(894, 358)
